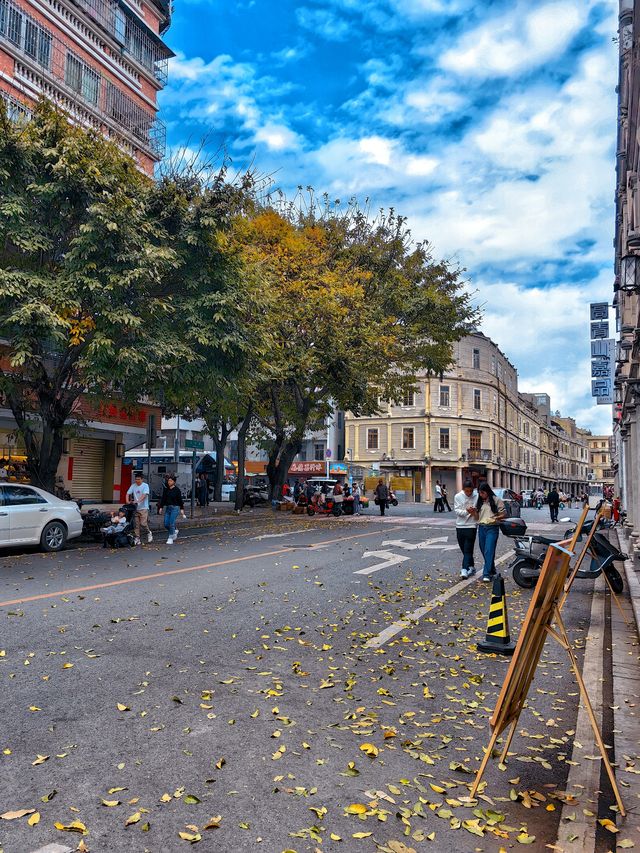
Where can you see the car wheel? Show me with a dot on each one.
(54, 536)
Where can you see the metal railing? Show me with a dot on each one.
(77, 81)
(476, 455)
(135, 41)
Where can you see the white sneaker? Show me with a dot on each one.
(169, 541)
(136, 541)
(175, 535)
(485, 579)
(464, 573)
(150, 537)
(471, 572)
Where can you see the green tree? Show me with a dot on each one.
(221, 307)
(357, 312)
(84, 264)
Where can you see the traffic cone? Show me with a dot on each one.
(497, 639)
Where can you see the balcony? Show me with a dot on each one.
(474, 455)
(137, 41)
(47, 64)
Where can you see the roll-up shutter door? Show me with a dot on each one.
(88, 468)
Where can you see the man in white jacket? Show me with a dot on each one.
(464, 507)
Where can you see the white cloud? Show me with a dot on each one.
(518, 40)
(324, 23)
(533, 179)
(545, 333)
(277, 137)
(351, 166)
(223, 90)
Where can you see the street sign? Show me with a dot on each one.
(193, 444)
(602, 354)
(328, 454)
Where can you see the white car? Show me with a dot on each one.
(31, 516)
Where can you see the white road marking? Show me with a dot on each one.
(404, 623)
(391, 559)
(414, 546)
(277, 535)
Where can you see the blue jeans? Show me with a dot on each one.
(466, 540)
(170, 515)
(488, 539)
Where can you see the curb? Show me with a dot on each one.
(631, 575)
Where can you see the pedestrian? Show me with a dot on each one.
(118, 524)
(445, 501)
(202, 491)
(437, 504)
(382, 495)
(338, 495)
(138, 494)
(491, 511)
(310, 491)
(355, 491)
(553, 499)
(464, 506)
(172, 503)
(297, 491)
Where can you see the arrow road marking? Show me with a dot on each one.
(391, 559)
(420, 546)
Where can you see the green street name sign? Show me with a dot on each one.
(192, 444)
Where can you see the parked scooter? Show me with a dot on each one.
(530, 553)
(327, 507)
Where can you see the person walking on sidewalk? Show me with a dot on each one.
(172, 503)
(355, 491)
(438, 505)
(445, 500)
(491, 511)
(138, 494)
(553, 499)
(382, 495)
(464, 507)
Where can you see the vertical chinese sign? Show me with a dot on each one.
(602, 355)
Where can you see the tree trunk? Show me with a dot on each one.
(220, 435)
(242, 452)
(281, 469)
(44, 448)
(272, 466)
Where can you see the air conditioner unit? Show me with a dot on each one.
(591, 476)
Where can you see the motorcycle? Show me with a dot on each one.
(327, 507)
(530, 553)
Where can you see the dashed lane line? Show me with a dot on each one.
(184, 570)
(404, 623)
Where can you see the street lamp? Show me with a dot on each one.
(629, 274)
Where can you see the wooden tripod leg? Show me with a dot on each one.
(483, 766)
(507, 744)
(617, 600)
(587, 704)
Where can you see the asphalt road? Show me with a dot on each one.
(230, 688)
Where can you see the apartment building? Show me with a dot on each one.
(472, 422)
(102, 61)
(600, 466)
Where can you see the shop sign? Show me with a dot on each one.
(338, 469)
(307, 468)
(602, 354)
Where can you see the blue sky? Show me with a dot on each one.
(490, 124)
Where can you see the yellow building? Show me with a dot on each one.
(473, 423)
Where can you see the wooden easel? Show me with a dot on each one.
(543, 612)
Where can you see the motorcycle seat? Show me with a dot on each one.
(545, 540)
